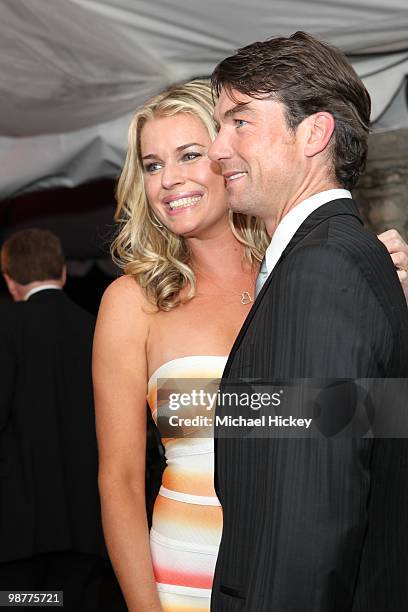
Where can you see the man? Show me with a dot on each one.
(50, 529)
(310, 525)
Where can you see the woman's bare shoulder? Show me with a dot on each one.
(125, 306)
(125, 292)
(123, 288)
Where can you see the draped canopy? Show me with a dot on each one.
(72, 71)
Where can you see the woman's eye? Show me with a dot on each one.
(153, 167)
(190, 156)
(240, 122)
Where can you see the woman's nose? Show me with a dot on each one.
(172, 175)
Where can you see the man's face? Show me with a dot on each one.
(262, 160)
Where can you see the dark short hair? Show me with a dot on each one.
(32, 255)
(306, 76)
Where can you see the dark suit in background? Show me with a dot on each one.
(50, 528)
(318, 525)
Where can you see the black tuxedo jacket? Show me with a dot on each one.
(318, 525)
(48, 457)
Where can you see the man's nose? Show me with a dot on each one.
(220, 149)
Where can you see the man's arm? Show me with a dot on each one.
(335, 323)
(333, 326)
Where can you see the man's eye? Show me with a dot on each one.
(190, 156)
(153, 167)
(240, 122)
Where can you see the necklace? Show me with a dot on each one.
(246, 298)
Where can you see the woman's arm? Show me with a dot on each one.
(120, 378)
(398, 249)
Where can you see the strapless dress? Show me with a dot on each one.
(187, 516)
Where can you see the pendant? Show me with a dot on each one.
(246, 298)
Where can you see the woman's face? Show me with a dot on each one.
(183, 186)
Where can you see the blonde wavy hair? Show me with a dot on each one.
(146, 249)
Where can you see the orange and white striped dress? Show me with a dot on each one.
(187, 517)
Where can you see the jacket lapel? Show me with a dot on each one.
(335, 208)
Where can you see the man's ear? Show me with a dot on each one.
(13, 287)
(64, 275)
(320, 129)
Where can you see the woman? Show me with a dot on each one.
(195, 266)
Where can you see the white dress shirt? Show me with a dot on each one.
(291, 222)
(40, 288)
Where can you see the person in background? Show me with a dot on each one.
(50, 528)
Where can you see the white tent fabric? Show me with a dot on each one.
(72, 71)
